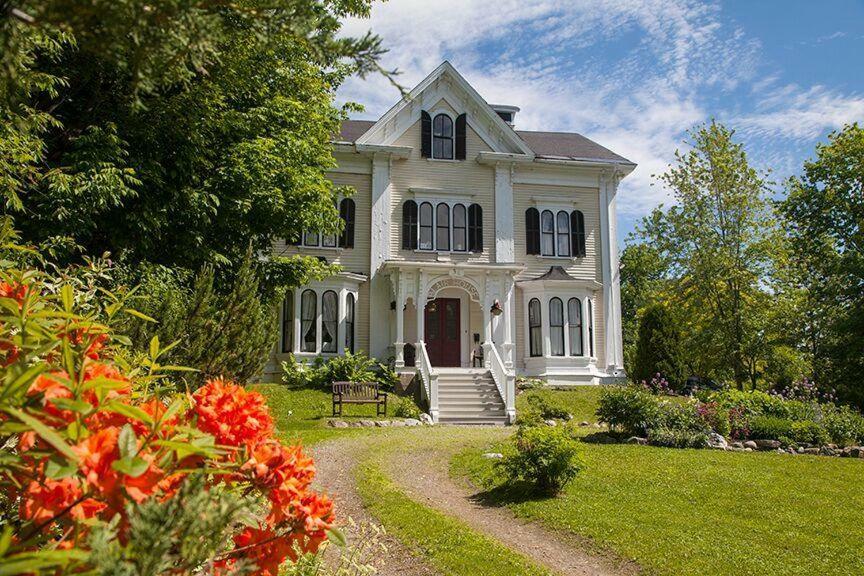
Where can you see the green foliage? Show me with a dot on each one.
(176, 535)
(322, 372)
(659, 347)
(643, 277)
(523, 383)
(218, 333)
(172, 132)
(844, 426)
(545, 456)
(809, 432)
(770, 427)
(823, 214)
(677, 437)
(717, 241)
(784, 366)
(631, 410)
(404, 407)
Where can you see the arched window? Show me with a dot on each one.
(442, 137)
(460, 228)
(563, 222)
(329, 320)
(535, 329)
(442, 227)
(349, 323)
(346, 212)
(309, 320)
(475, 228)
(590, 327)
(547, 233)
(556, 326)
(532, 231)
(426, 226)
(574, 324)
(409, 225)
(577, 229)
(288, 322)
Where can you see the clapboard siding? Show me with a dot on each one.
(465, 180)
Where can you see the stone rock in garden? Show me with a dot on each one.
(856, 452)
(397, 424)
(356, 424)
(597, 425)
(737, 444)
(748, 449)
(814, 451)
(637, 440)
(735, 449)
(551, 423)
(717, 441)
(426, 419)
(412, 422)
(827, 451)
(584, 424)
(493, 455)
(382, 423)
(767, 444)
(337, 424)
(751, 445)
(367, 423)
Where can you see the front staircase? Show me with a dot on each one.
(469, 396)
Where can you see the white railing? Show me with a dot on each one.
(429, 378)
(505, 380)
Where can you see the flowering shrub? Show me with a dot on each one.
(657, 385)
(805, 390)
(547, 457)
(97, 445)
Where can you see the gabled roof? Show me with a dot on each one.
(551, 145)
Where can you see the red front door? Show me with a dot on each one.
(442, 332)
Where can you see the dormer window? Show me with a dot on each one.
(442, 137)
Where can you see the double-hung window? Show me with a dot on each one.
(555, 233)
(442, 226)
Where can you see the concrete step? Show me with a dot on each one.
(472, 421)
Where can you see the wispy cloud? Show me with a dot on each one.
(633, 74)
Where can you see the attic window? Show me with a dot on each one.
(506, 116)
(442, 137)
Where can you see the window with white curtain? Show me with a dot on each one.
(460, 228)
(535, 328)
(426, 217)
(556, 327)
(308, 321)
(329, 320)
(563, 227)
(442, 227)
(574, 323)
(547, 233)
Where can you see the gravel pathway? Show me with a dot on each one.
(424, 477)
(335, 462)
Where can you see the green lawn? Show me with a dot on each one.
(302, 413)
(580, 401)
(699, 512)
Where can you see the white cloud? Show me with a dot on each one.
(632, 75)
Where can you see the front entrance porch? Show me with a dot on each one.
(456, 316)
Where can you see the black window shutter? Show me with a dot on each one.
(577, 233)
(460, 137)
(532, 231)
(409, 225)
(475, 228)
(346, 212)
(425, 134)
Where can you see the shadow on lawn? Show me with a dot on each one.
(510, 493)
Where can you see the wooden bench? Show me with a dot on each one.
(358, 393)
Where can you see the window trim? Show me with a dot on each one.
(579, 326)
(559, 328)
(334, 322)
(544, 234)
(463, 228)
(448, 227)
(430, 226)
(313, 319)
(451, 138)
(576, 235)
(451, 204)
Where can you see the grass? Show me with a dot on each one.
(689, 512)
(302, 413)
(447, 544)
(580, 401)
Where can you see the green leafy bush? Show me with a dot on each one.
(677, 437)
(770, 428)
(546, 456)
(405, 408)
(322, 372)
(809, 432)
(529, 383)
(629, 409)
(844, 426)
(659, 347)
(545, 406)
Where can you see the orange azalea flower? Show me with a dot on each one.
(234, 416)
(49, 499)
(15, 290)
(50, 388)
(95, 456)
(142, 487)
(8, 354)
(265, 549)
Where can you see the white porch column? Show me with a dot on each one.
(613, 344)
(399, 353)
(379, 292)
(486, 303)
(504, 250)
(420, 304)
(510, 319)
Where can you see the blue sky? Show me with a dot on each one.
(634, 75)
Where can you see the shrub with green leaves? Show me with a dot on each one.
(844, 426)
(809, 432)
(405, 408)
(546, 456)
(770, 427)
(677, 437)
(546, 406)
(322, 372)
(629, 409)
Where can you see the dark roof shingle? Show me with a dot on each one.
(561, 145)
